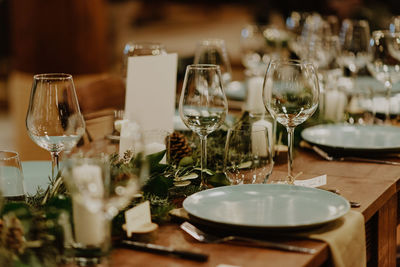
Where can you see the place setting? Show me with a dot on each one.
(180, 177)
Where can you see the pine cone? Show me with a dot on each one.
(14, 239)
(178, 147)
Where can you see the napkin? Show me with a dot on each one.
(346, 239)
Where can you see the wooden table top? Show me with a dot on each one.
(372, 185)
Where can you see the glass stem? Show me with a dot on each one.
(203, 162)
(290, 131)
(388, 92)
(54, 163)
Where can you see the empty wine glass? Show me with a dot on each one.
(253, 49)
(248, 155)
(355, 49)
(213, 51)
(203, 105)
(385, 63)
(134, 49)
(54, 121)
(291, 95)
(395, 24)
(354, 55)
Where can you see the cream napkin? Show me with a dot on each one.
(345, 237)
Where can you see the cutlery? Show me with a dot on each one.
(208, 238)
(326, 156)
(353, 204)
(184, 254)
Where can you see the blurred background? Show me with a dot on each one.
(87, 40)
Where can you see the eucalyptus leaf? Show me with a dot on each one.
(182, 183)
(218, 179)
(187, 177)
(185, 161)
(245, 165)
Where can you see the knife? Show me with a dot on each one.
(184, 254)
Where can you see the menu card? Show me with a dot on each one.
(150, 91)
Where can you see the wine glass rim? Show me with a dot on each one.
(249, 128)
(53, 76)
(203, 66)
(214, 41)
(386, 32)
(295, 62)
(8, 155)
(145, 45)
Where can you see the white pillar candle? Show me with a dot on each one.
(130, 137)
(335, 105)
(261, 137)
(89, 221)
(254, 102)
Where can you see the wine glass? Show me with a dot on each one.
(213, 51)
(248, 155)
(134, 49)
(203, 105)
(385, 63)
(291, 95)
(395, 24)
(355, 50)
(253, 49)
(54, 121)
(354, 55)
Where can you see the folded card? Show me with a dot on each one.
(150, 91)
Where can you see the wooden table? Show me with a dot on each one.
(375, 186)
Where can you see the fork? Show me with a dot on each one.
(208, 238)
(323, 154)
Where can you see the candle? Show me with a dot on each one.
(335, 105)
(254, 102)
(90, 224)
(130, 137)
(261, 133)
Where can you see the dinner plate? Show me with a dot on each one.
(36, 175)
(266, 206)
(354, 138)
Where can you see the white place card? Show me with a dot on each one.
(313, 182)
(150, 91)
(137, 217)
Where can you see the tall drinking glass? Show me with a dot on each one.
(248, 155)
(11, 177)
(385, 64)
(54, 121)
(291, 95)
(203, 105)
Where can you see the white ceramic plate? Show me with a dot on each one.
(266, 206)
(363, 138)
(36, 174)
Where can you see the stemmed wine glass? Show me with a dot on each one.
(385, 63)
(291, 95)
(213, 51)
(54, 121)
(203, 105)
(354, 55)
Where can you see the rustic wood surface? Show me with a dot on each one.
(372, 185)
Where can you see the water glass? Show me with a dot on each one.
(248, 155)
(11, 176)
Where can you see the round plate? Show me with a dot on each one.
(353, 138)
(266, 206)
